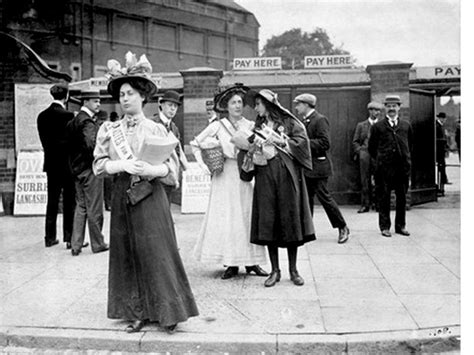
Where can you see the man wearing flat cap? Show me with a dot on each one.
(52, 124)
(361, 155)
(82, 132)
(211, 114)
(441, 149)
(390, 144)
(317, 127)
(169, 104)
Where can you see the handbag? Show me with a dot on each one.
(244, 159)
(214, 159)
(138, 191)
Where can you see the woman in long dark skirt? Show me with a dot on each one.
(281, 217)
(147, 280)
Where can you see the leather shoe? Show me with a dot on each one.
(402, 231)
(75, 252)
(104, 248)
(69, 245)
(363, 209)
(170, 329)
(296, 278)
(136, 326)
(50, 243)
(256, 269)
(274, 277)
(230, 272)
(343, 235)
(386, 233)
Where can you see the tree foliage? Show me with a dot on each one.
(293, 45)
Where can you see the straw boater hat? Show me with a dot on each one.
(221, 99)
(140, 70)
(270, 98)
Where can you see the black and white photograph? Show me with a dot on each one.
(233, 177)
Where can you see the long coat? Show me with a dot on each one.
(52, 129)
(391, 147)
(82, 131)
(360, 143)
(317, 127)
(441, 143)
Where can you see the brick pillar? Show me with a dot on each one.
(392, 79)
(199, 85)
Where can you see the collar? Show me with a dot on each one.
(372, 121)
(59, 102)
(132, 121)
(213, 118)
(88, 111)
(441, 123)
(310, 112)
(166, 121)
(393, 120)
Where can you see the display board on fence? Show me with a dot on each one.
(31, 186)
(30, 100)
(195, 190)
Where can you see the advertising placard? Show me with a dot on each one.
(31, 187)
(195, 190)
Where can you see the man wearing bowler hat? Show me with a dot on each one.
(390, 143)
(82, 132)
(441, 148)
(169, 103)
(361, 155)
(317, 127)
(52, 129)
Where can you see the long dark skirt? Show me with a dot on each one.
(280, 212)
(147, 280)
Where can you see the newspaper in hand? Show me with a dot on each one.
(157, 149)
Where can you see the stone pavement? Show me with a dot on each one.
(399, 294)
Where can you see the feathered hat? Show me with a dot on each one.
(140, 70)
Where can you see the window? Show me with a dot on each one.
(76, 71)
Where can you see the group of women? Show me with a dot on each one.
(147, 280)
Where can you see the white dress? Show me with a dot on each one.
(224, 236)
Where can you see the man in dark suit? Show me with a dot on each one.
(317, 127)
(441, 148)
(82, 133)
(361, 155)
(169, 104)
(52, 124)
(390, 143)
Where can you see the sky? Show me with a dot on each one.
(422, 32)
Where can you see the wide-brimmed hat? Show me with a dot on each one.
(139, 70)
(270, 98)
(441, 115)
(392, 99)
(221, 99)
(171, 96)
(89, 94)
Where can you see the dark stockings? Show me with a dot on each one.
(292, 256)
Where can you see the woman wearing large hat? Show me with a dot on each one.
(224, 237)
(281, 217)
(147, 280)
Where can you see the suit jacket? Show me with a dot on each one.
(52, 131)
(441, 143)
(317, 127)
(391, 147)
(82, 133)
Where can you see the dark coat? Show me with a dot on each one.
(82, 132)
(361, 137)
(52, 131)
(441, 143)
(317, 128)
(391, 148)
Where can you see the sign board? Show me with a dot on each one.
(30, 100)
(196, 186)
(260, 63)
(31, 186)
(327, 61)
(439, 72)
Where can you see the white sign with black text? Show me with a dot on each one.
(327, 61)
(260, 63)
(195, 189)
(31, 184)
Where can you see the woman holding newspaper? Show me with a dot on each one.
(147, 280)
(281, 216)
(225, 233)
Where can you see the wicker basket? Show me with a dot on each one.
(214, 159)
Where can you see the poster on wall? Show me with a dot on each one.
(31, 187)
(30, 100)
(195, 190)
